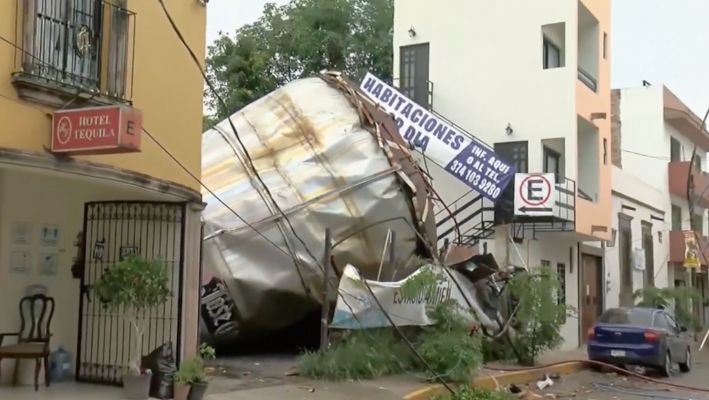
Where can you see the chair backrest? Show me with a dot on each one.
(36, 314)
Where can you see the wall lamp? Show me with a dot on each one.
(412, 32)
(509, 129)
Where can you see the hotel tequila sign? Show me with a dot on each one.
(97, 130)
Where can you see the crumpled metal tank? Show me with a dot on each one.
(330, 159)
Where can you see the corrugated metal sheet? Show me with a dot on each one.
(330, 160)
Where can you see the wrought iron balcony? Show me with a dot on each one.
(74, 48)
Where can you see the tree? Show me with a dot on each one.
(297, 40)
(131, 288)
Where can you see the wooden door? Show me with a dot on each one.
(591, 292)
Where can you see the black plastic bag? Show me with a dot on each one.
(161, 362)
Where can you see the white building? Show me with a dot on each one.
(531, 79)
(654, 136)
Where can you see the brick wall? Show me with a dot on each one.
(616, 153)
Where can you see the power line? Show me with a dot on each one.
(197, 179)
(249, 164)
(646, 155)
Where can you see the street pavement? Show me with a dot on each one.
(589, 385)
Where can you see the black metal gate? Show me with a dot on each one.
(113, 231)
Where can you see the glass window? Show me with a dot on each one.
(675, 150)
(660, 322)
(561, 276)
(627, 316)
(676, 218)
(552, 54)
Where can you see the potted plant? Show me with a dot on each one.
(191, 380)
(131, 288)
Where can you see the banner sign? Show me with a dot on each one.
(691, 253)
(469, 160)
(356, 309)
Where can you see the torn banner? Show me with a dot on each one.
(357, 309)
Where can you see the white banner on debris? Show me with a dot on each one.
(356, 309)
(465, 157)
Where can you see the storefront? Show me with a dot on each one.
(64, 221)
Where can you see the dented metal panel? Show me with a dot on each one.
(330, 159)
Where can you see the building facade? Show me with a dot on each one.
(79, 194)
(654, 137)
(532, 82)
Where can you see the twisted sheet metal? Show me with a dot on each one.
(330, 159)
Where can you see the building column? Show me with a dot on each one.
(192, 275)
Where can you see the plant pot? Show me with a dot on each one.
(136, 387)
(182, 391)
(197, 392)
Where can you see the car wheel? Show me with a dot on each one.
(666, 369)
(687, 365)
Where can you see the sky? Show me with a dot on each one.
(661, 41)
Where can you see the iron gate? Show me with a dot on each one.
(113, 231)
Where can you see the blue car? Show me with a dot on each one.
(640, 336)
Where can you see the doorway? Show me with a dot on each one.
(114, 231)
(591, 291)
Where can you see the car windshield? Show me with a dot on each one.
(627, 316)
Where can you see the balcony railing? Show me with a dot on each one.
(87, 45)
(678, 180)
(587, 79)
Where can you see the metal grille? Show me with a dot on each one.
(69, 42)
(112, 232)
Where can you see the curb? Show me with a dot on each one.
(487, 380)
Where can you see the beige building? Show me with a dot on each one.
(533, 82)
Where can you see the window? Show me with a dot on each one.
(552, 163)
(672, 323)
(553, 42)
(78, 44)
(698, 163)
(605, 151)
(546, 263)
(660, 322)
(414, 73)
(698, 224)
(675, 150)
(552, 54)
(649, 249)
(676, 218)
(515, 153)
(631, 316)
(605, 46)
(561, 276)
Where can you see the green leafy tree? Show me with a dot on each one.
(679, 299)
(540, 316)
(297, 40)
(132, 287)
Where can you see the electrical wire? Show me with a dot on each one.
(407, 341)
(646, 155)
(249, 165)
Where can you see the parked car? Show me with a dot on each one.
(640, 336)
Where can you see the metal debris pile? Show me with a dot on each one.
(320, 156)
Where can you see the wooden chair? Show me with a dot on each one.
(32, 338)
